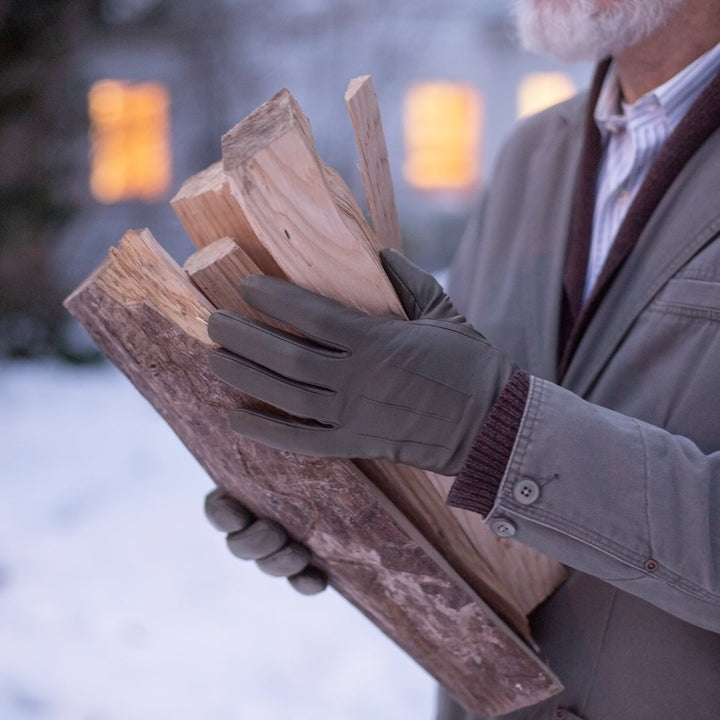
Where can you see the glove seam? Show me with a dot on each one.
(411, 410)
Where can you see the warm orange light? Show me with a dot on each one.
(130, 141)
(538, 91)
(442, 127)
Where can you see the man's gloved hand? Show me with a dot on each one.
(412, 391)
(264, 541)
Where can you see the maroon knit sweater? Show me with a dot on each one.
(477, 484)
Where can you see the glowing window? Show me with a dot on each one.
(442, 128)
(538, 91)
(130, 141)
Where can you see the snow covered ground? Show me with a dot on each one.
(118, 601)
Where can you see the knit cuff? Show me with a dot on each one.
(477, 484)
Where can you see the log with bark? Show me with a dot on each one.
(435, 580)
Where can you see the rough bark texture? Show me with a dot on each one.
(151, 322)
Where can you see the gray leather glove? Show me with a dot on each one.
(412, 391)
(264, 541)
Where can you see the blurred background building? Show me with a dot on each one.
(106, 106)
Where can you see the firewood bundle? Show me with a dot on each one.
(434, 579)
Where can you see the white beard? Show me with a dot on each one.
(573, 30)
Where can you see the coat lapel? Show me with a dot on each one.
(542, 286)
(686, 219)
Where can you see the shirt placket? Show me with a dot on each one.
(633, 143)
(613, 195)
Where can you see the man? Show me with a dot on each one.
(593, 263)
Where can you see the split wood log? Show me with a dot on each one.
(210, 206)
(217, 269)
(527, 576)
(144, 313)
(513, 578)
(364, 111)
(208, 211)
(524, 577)
(319, 243)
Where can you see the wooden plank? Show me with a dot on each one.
(217, 269)
(364, 110)
(142, 310)
(274, 173)
(208, 211)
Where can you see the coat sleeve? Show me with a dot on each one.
(614, 497)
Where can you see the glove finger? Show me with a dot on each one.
(278, 351)
(225, 513)
(310, 581)
(287, 433)
(422, 297)
(291, 396)
(258, 540)
(317, 317)
(291, 559)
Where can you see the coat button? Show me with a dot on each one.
(526, 492)
(503, 528)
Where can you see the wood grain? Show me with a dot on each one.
(362, 104)
(274, 173)
(217, 270)
(208, 211)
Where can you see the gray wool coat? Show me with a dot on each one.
(623, 456)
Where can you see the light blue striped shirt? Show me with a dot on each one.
(632, 136)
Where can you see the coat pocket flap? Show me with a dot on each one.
(688, 293)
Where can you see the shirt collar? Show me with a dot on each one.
(608, 109)
(674, 97)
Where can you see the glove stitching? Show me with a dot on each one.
(407, 442)
(466, 330)
(407, 408)
(412, 371)
(288, 420)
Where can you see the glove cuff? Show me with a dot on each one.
(477, 483)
